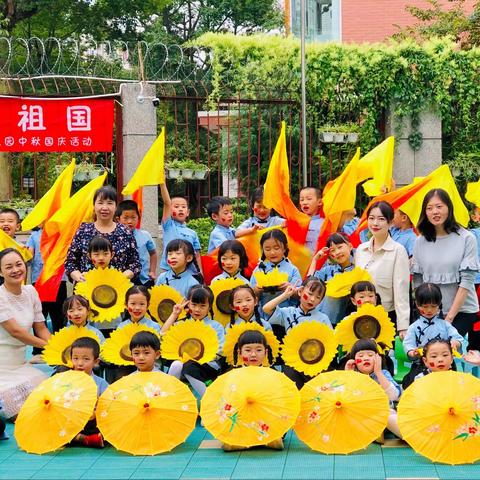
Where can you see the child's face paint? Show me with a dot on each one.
(178, 261)
(244, 303)
(137, 305)
(273, 250)
(180, 209)
(438, 357)
(230, 262)
(341, 253)
(261, 211)
(365, 361)
(199, 311)
(364, 297)
(77, 314)
(358, 360)
(253, 354)
(305, 296)
(428, 310)
(310, 300)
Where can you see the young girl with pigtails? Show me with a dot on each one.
(244, 307)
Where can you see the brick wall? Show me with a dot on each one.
(375, 20)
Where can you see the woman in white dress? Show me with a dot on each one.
(20, 310)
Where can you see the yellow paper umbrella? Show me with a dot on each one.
(342, 411)
(233, 334)
(341, 284)
(250, 406)
(162, 300)
(368, 321)
(105, 289)
(309, 347)
(190, 340)
(439, 416)
(55, 412)
(57, 351)
(272, 279)
(146, 413)
(221, 290)
(116, 349)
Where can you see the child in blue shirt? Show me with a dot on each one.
(310, 295)
(128, 214)
(274, 245)
(145, 349)
(137, 300)
(174, 226)
(200, 301)
(244, 307)
(261, 216)
(310, 203)
(220, 211)
(232, 259)
(340, 260)
(429, 326)
(85, 354)
(180, 255)
(364, 358)
(402, 231)
(77, 311)
(52, 309)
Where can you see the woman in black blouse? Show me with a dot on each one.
(124, 246)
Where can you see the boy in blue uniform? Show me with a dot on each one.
(85, 354)
(310, 203)
(145, 348)
(220, 211)
(174, 225)
(128, 214)
(402, 231)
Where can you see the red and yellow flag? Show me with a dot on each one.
(63, 225)
(276, 192)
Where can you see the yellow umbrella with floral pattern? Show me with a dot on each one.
(146, 413)
(250, 406)
(55, 412)
(439, 416)
(342, 411)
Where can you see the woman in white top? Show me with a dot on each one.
(20, 309)
(446, 254)
(387, 262)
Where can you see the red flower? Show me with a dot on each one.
(472, 430)
(264, 427)
(227, 407)
(313, 415)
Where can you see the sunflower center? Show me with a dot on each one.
(66, 355)
(223, 302)
(366, 326)
(311, 351)
(125, 353)
(165, 309)
(193, 347)
(104, 296)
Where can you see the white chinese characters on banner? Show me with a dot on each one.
(79, 118)
(31, 118)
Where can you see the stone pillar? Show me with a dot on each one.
(409, 163)
(139, 131)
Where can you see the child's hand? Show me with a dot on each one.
(288, 290)
(256, 227)
(377, 364)
(77, 276)
(179, 307)
(413, 353)
(152, 275)
(323, 252)
(455, 344)
(401, 334)
(472, 356)
(350, 365)
(258, 290)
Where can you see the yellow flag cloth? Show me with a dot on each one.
(439, 178)
(151, 170)
(473, 193)
(56, 196)
(377, 165)
(276, 192)
(9, 242)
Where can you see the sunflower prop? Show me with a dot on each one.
(233, 334)
(58, 349)
(368, 321)
(163, 299)
(221, 305)
(271, 279)
(105, 290)
(309, 347)
(116, 349)
(190, 340)
(341, 284)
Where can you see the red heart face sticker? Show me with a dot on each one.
(237, 308)
(431, 364)
(169, 261)
(174, 214)
(69, 316)
(359, 302)
(245, 359)
(130, 309)
(223, 264)
(255, 209)
(305, 296)
(358, 360)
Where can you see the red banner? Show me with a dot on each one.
(56, 125)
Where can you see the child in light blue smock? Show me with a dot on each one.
(232, 259)
(220, 210)
(137, 300)
(244, 307)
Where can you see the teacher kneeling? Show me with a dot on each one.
(445, 253)
(20, 309)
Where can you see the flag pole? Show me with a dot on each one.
(304, 95)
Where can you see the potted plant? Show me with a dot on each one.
(174, 169)
(23, 205)
(342, 133)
